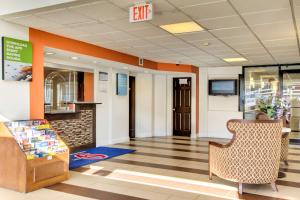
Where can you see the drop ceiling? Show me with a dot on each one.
(263, 32)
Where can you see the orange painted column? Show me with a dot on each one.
(88, 86)
(37, 84)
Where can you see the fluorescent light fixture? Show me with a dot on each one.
(95, 61)
(50, 53)
(185, 27)
(74, 58)
(235, 59)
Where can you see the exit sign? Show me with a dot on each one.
(140, 12)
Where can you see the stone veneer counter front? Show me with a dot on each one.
(77, 129)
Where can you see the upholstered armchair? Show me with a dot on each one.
(252, 156)
(284, 140)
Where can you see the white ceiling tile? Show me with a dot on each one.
(170, 17)
(249, 38)
(163, 39)
(241, 46)
(285, 54)
(284, 48)
(148, 32)
(189, 3)
(274, 30)
(259, 5)
(195, 36)
(231, 32)
(125, 25)
(118, 35)
(212, 10)
(280, 42)
(35, 22)
(173, 45)
(63, 16)
(222, 22)
(253, 50)
(102, 11)
(288, 59)
(267, 17)
(68, 32)
(93, 27)
(95, 38)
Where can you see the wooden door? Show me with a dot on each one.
(132, 107)
(182, 106)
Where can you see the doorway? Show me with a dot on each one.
(182, 88)
(131, 107)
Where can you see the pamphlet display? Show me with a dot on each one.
(32, 156)
(36, 138)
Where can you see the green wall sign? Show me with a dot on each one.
(16, 59)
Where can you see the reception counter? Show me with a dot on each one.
(76, 128)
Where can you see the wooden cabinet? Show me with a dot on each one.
(19, 173)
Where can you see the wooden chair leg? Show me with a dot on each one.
(274, 187)
(210, 175)
(241, 188)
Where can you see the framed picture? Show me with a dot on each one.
(121, 84)
(16, 60)
(103, 76)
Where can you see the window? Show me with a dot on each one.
(260, 82)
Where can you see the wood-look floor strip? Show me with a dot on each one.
(90, 193)
(198, 160)
(185, 169)
(154, 140)
(176, 149)
(245, 196)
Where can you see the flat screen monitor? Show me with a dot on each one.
(222, 87)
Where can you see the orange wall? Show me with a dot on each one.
(88, 86)
(41, 39)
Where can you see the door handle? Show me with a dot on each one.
(173, 109)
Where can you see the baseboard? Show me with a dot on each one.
(120, 140)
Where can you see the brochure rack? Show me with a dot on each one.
(32, 156)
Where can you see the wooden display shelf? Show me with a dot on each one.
(22, 175)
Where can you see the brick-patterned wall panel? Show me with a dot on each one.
(76, 132)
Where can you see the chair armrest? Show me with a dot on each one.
(216, 144)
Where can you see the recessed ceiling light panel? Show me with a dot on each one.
(185, 27)
(74, 58)
(49, 53)
(241, 59)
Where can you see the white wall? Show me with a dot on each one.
(113, 114)
(160, 105)
(144, 105)
(215, 111)
(154, 104)
(14, 99)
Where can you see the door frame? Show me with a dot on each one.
(180, 97)
(129, 107)
(170, 102)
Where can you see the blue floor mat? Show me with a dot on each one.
(93, 155)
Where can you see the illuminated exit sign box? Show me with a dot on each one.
(140, 12)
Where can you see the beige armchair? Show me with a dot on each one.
(284, 140)
(252, 156)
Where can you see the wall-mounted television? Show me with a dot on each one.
(222, 87)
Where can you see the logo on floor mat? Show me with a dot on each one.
(90, 156)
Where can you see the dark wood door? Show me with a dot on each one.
(131, 106)
(182, 106)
